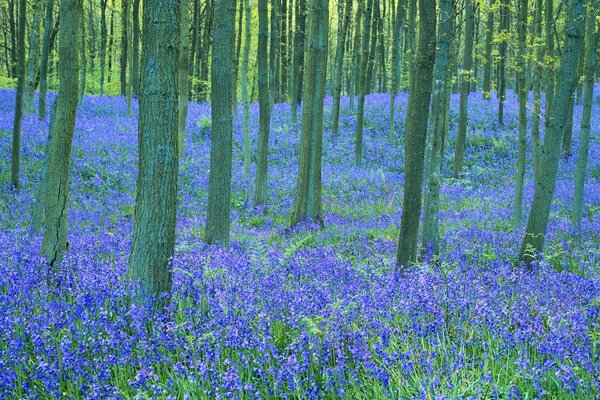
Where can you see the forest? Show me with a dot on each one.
(299, 199)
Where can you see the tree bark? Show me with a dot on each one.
(156, 195)
(416, 130)
(537, 87)
(592, 40)
(32, 61)
(298, 64)
(504, 12)
(54, 242)
(396, 62)
(307, 205)
(264, 100)
(245, 99)
(459, 154)
(533, 241)
(219, 186)
(339, 63)
(184, 52)
(15, 163)
(487, 62)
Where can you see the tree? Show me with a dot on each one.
(339, 62)
(307, 205)
(245, 99)
(298, 64)
(396, 61)
(103, 34)
(504, 12)
(361, 81)
(264, 100)
(459, 154)
(49, 33)
(416, 130)
(533, 241)
(16, 136)
(124, 31)
(438, 110)
(32, 61)
(537, 86)
(183, 72)
(156, 189)
(592, 40)
(523, 90)
(219, 185)
(487, 62)
(56, 196)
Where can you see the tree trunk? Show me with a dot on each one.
(54, 242)
(219, 185)
(533, 241)
(264, 100)
(32, 61)
(339, 63)
(459, 154)
(592, 40)
(15, 163)
(307, 205)
(487, 62)
(361, 82)
(396, 62)
(91, 29)
(245, 99)
(274, 51)
(504, 12)
(83, 64)
(549, 64)
(124, 25)
(135, 48)
(46, 47)
(156, 190)
(568, 128)
(376, 17)
(438, 108)
(537, 87)
(103, 4)
(298, 65)
(416, 131)
(129, 90)
(184, 53)
(283, 51)
(517, 214)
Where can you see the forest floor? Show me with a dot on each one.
(307, 312)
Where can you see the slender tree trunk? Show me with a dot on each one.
(487, 62)
(110, 41)
(130, 73)
(219, 185)
(298, 65)
(16, 136)
(124, 41)
(533, 241)
(396, 62)
(459, 154)
(361, 83)
(537, 87)
(283, 89)
(274, 50)
(356, 57)
(135, 48)
(375, 19)
(416, 131)
(339, 63)
(54, 242)
(517, 214)
(13, 36)
(438, 108)
(568, 128)
(236, 61)
(184, 53)
(83, 64)
(206, 48)
(592, 40)
(91, 29)
(156, 189)
(103, 34)
(549, 43)
(504, 12)
(32, 61)
(307, 205)
(264, 100)
(245, 99)
(44, 60)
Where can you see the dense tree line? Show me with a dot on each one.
(182, 50)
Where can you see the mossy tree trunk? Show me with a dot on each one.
(438, 110)
(46, 47)
(298, 64)
(307, 205)
(398, 36)
(184, 54)
(533, 241)
(361, 82)
(54, 242)
(504, 12)
(264, 100)
(339, 63)
(466, 73)
(537, 86)
(32, 61)
(517, 214)
(487, 62)
(103, 37)
(245, 99)
(592, 40)
(156, 189)
(15, 162)
(219, 185)
(416, 131)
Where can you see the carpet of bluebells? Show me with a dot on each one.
(305, 313)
